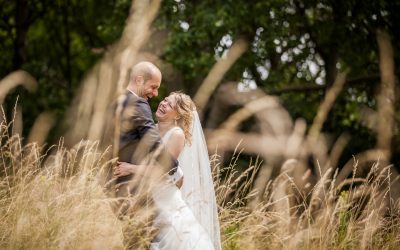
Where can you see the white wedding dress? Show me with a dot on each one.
(179, 228)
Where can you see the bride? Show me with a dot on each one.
(188, 216)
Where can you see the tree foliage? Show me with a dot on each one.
(297, 48)
(57, 42)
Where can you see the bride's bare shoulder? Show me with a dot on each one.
(178, 134)
(176, 142)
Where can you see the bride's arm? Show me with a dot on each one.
(175, 145)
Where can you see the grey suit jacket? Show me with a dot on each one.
(138, 136)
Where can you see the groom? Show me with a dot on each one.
(136, 135)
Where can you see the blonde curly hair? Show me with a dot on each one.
(184, 106)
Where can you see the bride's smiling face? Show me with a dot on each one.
(166, 110)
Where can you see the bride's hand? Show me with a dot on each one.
(124, 168)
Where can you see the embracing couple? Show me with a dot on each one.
(185, 201)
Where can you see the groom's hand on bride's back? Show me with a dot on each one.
(125, 168)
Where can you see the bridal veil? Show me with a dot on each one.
(198, 187)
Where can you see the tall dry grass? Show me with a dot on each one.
(354, 214)
(56, 200)
(53, 200)
(61, 199)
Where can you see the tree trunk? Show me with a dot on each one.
(386, 110)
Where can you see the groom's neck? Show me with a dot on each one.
(133, 90)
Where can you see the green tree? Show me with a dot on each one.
(297, 48)
(56, 42)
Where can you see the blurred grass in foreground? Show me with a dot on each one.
(54, 200)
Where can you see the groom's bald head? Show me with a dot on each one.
(145, 79)
(145, 69)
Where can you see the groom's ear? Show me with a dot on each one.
(139, 80)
